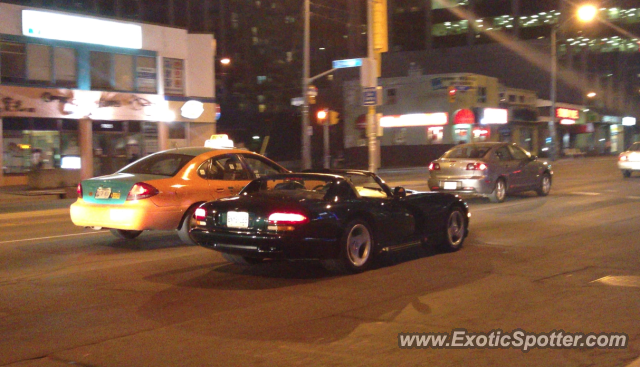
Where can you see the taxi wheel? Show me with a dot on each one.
(125, 234)
(188, 222)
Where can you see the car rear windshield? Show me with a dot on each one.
(290, 183)
(158, 164)
(467, 152)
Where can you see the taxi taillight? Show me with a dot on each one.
(142, 190)
(79, 191)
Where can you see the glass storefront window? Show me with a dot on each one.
(100, 70)
(26, 150)
(64, 60)
(13, 62)
(123, 67)
(146, 74)
(38, 64)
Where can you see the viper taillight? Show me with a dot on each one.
(142, 190)
(79, 190)
(200, 214)
(476, 167)
(434, 166)
(286, 218)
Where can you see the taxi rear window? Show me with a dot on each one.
(159, 164)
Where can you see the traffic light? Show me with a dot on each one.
(334, 117)
(452, 94)
(322, 114)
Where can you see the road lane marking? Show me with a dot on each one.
(50, 237)
(633, 197)
(586, 193)
(32, 214)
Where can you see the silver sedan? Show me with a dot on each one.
(489, 169)
(629, 160)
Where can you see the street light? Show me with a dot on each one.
(585, 13)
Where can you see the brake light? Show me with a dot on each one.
(142, 190)
(281, 218)
(200, 214)
(623, 157)
(434, 166)
(79, 190)
(476, 167)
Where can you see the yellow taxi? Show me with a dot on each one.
(161, 191)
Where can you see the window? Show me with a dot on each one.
(39, 64)
(521, 98)
(518, 153)
(64, 60)
(503, 154)
(173, 76)
(101, 70)
(146, 72)
(482, 94)
(123, 68)
(13, 62)
(260, 166)
(391, 96)
(512, 98)
(226, 167)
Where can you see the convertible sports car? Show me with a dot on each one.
(342, 217)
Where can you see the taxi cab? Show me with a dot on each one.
(161, 191)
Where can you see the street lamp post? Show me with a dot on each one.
(306, 139)
(585, 13)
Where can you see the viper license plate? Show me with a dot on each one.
(238, 219)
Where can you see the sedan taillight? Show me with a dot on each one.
(433, 166)
(79, 191)
(142, 190)
(479, 166)
(623, 157)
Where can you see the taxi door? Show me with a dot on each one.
(226, 176)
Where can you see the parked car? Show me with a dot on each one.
(490, 169)
(162, 190)
(342, 217)
(629, 160)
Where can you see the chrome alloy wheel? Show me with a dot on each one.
(546, 184)
(501, 190)
(359, 245)
(455, 228)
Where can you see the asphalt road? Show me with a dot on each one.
(567, 262)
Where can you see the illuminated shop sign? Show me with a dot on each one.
(494, 116)
(612, 119)
(567, 113)
(628, 121)
(567, 122)
(480, 132)
(464, 116)
(75, 28)
(415, 119)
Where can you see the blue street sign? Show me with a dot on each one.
(370, 96)
(348, 63)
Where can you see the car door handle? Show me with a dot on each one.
(220, 189)
(231, 187)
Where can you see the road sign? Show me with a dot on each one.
(347, 63)
(370, 96)
(297, 101)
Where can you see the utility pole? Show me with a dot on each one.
(306, 139)
(372, 82)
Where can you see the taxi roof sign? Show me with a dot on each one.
(219, 141)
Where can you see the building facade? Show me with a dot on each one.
(91, 94)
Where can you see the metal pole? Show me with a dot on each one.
(306, 141)
(327, 157)
(553, 154)
(371, 113)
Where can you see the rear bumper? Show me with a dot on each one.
(262, 246)
(139, 215)
(468, 186)
(629, 166)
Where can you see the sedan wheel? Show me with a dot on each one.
(499, 192)
(455, 231)
(545, 185)
(125, 234)
(356, 248)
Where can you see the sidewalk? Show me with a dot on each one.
(16, 194)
